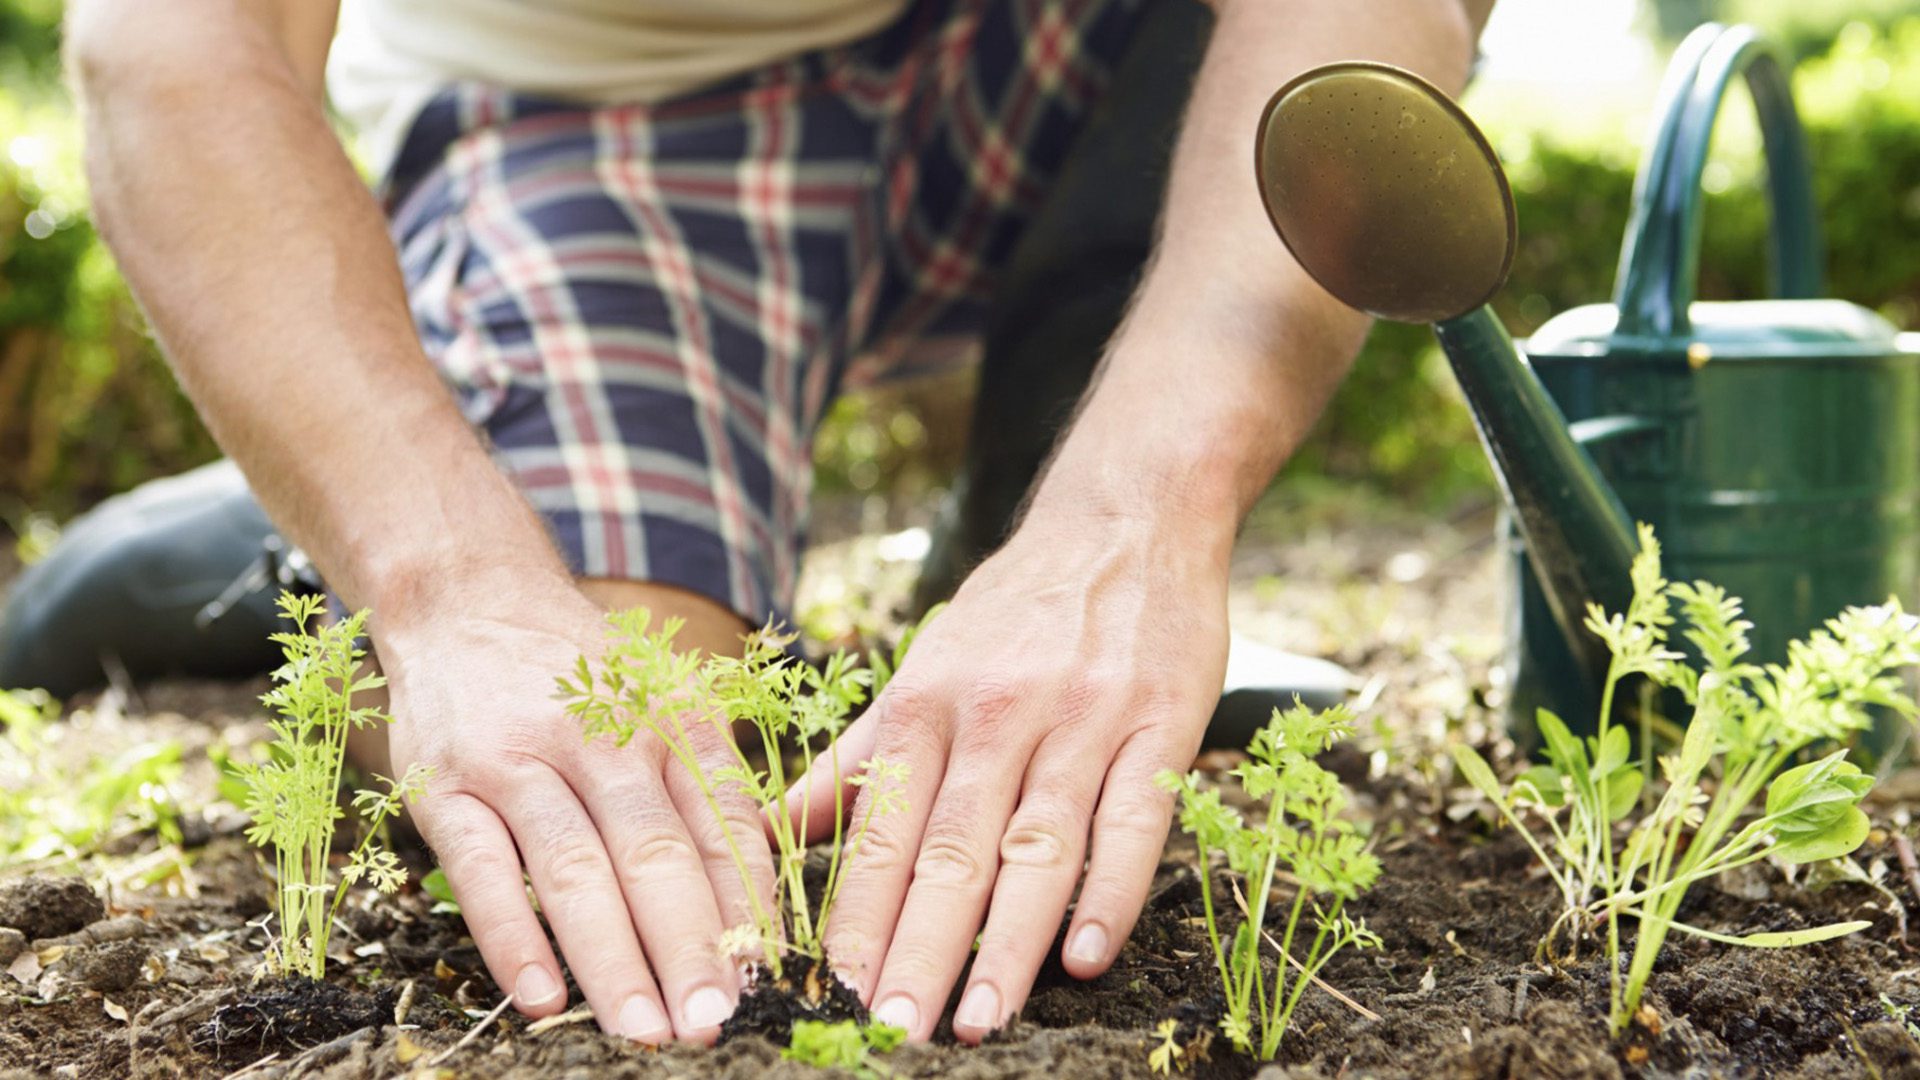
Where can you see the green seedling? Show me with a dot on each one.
(1303, 834)
(293, 795)
(1902, 1015)
(1749, 723)
(694, 704)
(435, 884)
(843, 1044)
(55, 807)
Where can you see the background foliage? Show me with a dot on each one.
(87, 407)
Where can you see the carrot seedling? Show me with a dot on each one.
(1749, 722)
(1303, 834)
(293, 795)
(691, 703)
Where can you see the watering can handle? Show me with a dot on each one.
(1661, 258)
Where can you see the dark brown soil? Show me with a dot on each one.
(805, 990)
(1457, 901)
(292, 1014)
(161, 982)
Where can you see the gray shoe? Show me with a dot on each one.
(177, 577)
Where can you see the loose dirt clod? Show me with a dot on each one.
(771, 1006)
(111, 967)
(292, 1014)
(44, 906)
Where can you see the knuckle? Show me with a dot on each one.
(575, 864)
(501, 768)
(991, 701)
(1080, 696)
(878, 847)
(1145, 812)
(447, 823)
(477, 860)
(653, 846)
(946, 859)
(715, 834)
(1038, 841)
(716, 839)
(910, 710)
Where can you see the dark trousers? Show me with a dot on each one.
(1066, 289)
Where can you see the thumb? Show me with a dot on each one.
(810, 804)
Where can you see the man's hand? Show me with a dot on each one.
(1088, 654)
(613, 839)
(265, 266)
(1032, 714)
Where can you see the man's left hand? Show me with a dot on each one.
(1033, 714)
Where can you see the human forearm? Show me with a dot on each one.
(264, 266)
(1231, 351)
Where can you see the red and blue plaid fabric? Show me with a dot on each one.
(646, 308)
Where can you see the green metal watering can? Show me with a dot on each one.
(1774, 445)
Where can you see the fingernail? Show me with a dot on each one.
(898, 1011)
(708, 1007)
(980, 1009)
(1089, 945)
(642, 1021)
(535, 986)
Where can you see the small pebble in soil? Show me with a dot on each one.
(113, 966)
(45, 907)
(12, 944)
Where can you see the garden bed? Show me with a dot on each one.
(159, 981)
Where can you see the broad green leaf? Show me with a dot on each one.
(1623, 788)
(1841, 838)
(1611, 750)
(1562, 748)
(1832, 778)
(1542, 784)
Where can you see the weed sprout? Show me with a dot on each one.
(843, 1044)
(1749, 722)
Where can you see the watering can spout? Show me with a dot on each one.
(1391, 198)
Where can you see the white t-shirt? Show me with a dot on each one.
(390, 56)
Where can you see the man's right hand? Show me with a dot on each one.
(264, 265)
(613, 839)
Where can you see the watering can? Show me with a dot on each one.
(1774, 445)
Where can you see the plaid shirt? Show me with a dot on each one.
(647, 308)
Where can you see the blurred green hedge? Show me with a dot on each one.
(87, 407)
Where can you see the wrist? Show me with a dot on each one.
(1188, 463)
(413, 592)
(1195, 410)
